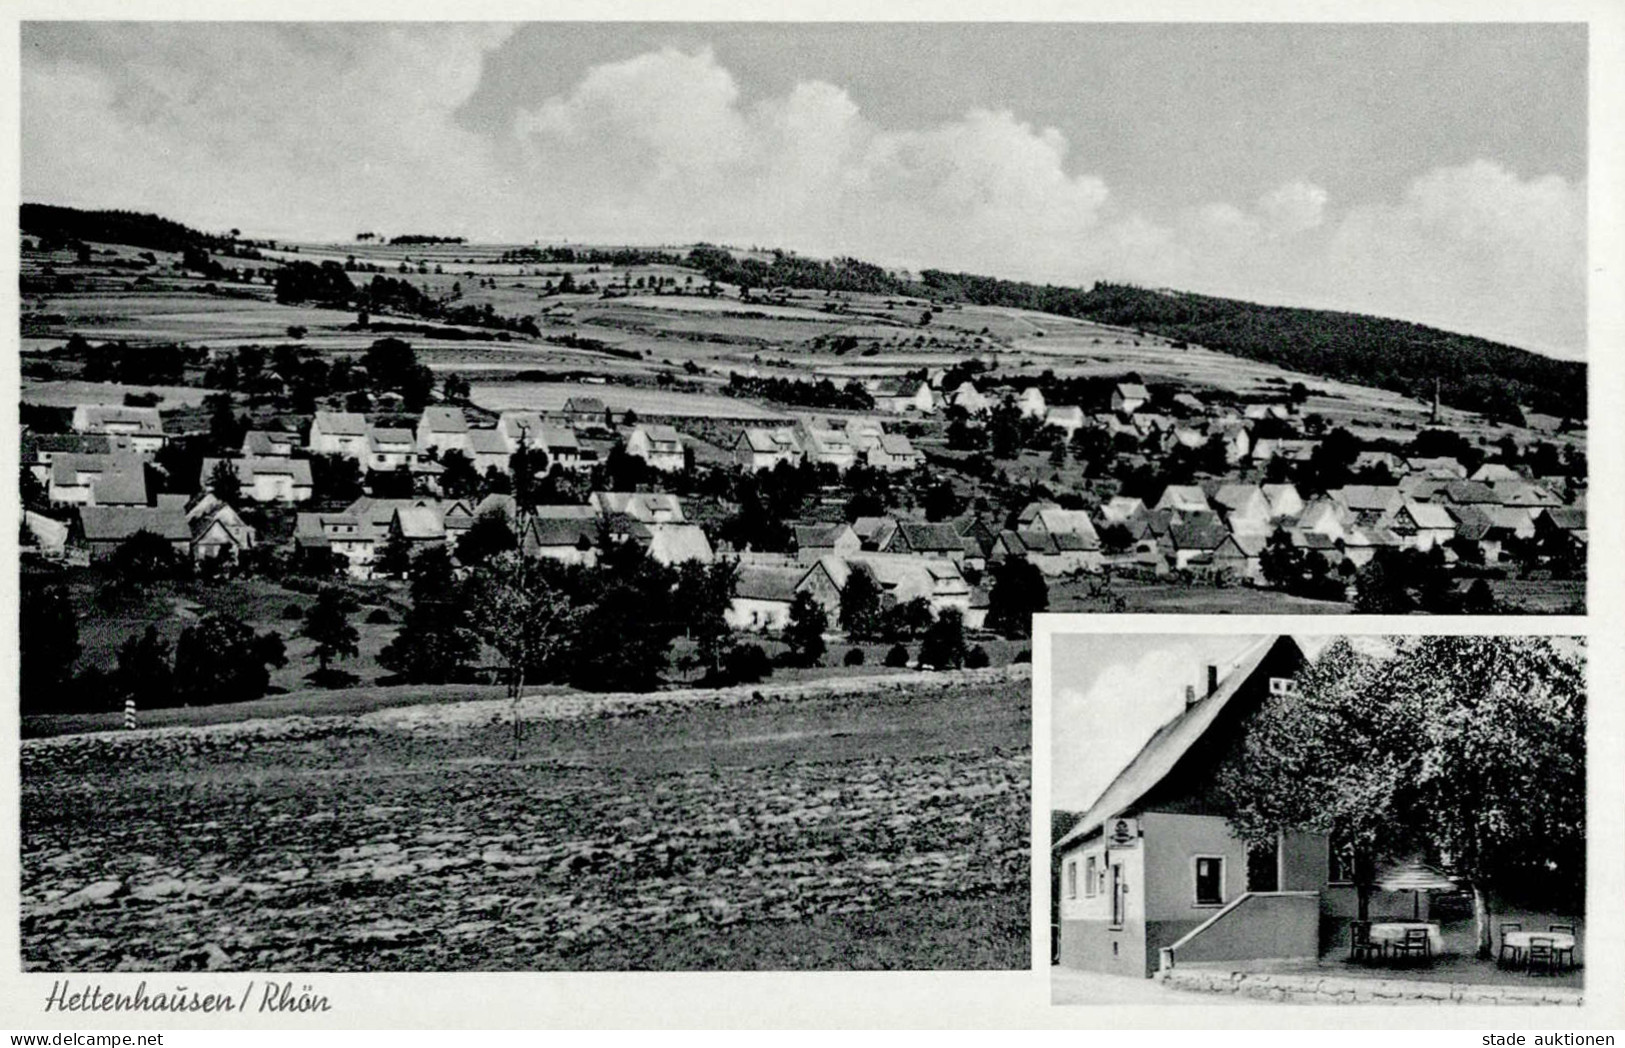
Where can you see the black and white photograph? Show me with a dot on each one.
(568, 494)
(1318, 819)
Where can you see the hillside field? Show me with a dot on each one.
(870, 824)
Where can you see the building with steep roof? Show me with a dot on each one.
(1152, 863)
(758, 448)
(659, 445)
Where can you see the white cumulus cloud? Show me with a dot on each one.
(285, 129)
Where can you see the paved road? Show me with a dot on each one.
(1069, 986)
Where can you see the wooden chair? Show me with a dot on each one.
(1564, 955)
(1516, 954)
(1542, 956)
(1415, 944)
(1361, 946)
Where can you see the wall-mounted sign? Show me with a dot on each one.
(1124, 833)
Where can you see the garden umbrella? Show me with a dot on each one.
(1415, 876)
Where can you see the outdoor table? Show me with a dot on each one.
(1390, 932)
(1520, 940)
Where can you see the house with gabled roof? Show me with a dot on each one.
(923, 539)
(901, 398)
(269, 479)
(1192, 540)
(1120, 509)
(489, 450)
(142, 427)
(563, 449)
(904, 578)
(390, 449)
(1475, 525)
(970, 400)
(118, 479)
(39, 450)
(100, 530)
(893, 452)
(863, 433)
(218, 532)
(442, 428)
(659, 445)
(1067, 418)
(586, 413)
(1467, 493)
(1422, 525)
(263, 443)
(1324, 517)
(1184, 498)
(647, 507)
(762, 598)
(1053, 553)
(1129, 397)
(1152, 875)
(814, 541)
(1031, 403)
(1566, 520)
(339, 433)
(520, 429)
(1244, 506)
(1239, 555)
(1360, 545)
(826, 445)
(571, 539)
(875, 533)
(676, 543)
(758, 448)
(357, 532)
(1492, 472)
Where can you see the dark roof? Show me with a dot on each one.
(1170, 743)
(1469, 492)
(564, 531)
(77, 443)
(768, 584)
(117, 523)
(818, 536)
(1199, 532)
(1566, 517)
(920, 536)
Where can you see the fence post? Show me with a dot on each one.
(129, 714)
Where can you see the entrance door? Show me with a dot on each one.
(1264, 866)
(1118, 891)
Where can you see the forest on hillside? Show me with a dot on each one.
(1472, 373)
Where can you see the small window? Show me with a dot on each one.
(1283, 686)
(1091, 875)
(1072, 879)
(1209, 880)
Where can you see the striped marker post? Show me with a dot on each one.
(129, 714)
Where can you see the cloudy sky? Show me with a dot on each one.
(1430, 172)
(1111, 692)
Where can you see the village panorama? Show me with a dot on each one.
(409, 603)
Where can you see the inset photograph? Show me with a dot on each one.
(1317, 819)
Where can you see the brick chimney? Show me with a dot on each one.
(1212, 678)
(1190, 696)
